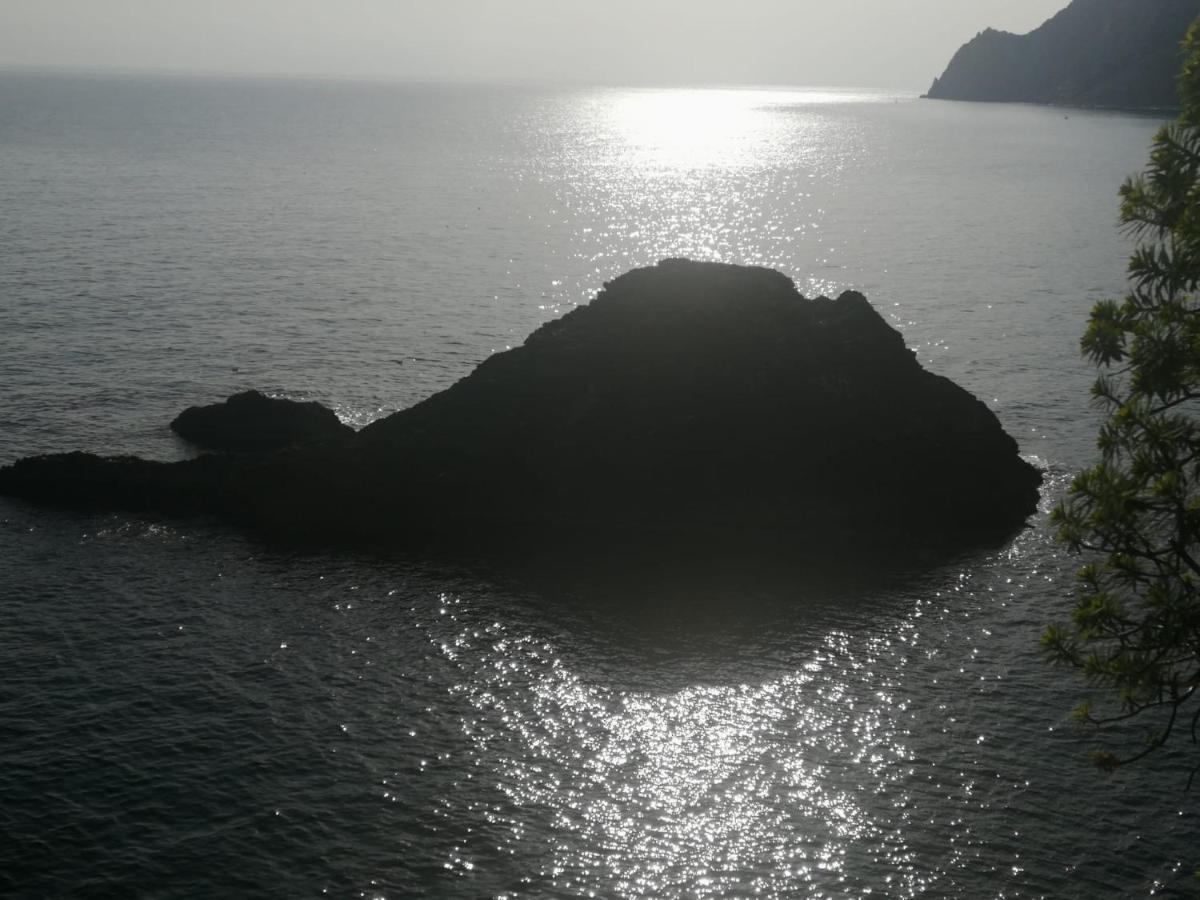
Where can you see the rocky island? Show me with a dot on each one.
(690, 406)
(251, 422)
(1119, 54)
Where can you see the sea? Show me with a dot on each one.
(187, 712)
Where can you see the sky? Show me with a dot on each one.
(898, 44)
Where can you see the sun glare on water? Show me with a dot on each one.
(687, 129)
(702, 791)
(727, 174)
(701, 128)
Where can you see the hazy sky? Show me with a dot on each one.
(881, 43)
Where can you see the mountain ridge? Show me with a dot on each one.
(1119, 54)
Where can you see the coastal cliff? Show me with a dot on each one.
(1097, 53)
(689, 405)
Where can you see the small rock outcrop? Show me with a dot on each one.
(1119, 54)
(251, 422)
(693, 407)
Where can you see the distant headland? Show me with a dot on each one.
(1118, 54)
(693, 408)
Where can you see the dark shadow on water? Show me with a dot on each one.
(632, 618)
(622, 617)
(664, 616)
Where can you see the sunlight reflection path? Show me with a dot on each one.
(730, 175)
(696, 792)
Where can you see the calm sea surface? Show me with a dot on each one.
(184, 712)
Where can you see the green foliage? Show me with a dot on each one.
(1135, 630)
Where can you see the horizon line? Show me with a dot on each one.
(441, 80)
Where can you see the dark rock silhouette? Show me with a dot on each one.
(251, 422)
(1121, 54)
(691, 406)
